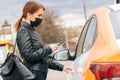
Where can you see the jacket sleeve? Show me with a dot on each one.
(27, 50)
(55, 65)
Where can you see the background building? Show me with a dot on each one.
(6, 31)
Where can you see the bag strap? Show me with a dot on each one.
(15, 45)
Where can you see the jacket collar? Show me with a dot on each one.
(25, 24)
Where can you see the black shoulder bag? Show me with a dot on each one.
(14, 69)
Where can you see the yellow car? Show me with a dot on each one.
(5, 47)
(99, 43)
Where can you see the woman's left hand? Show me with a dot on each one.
(67, 69)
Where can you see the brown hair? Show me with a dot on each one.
(30, 7)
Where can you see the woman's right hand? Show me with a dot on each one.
(53, 47)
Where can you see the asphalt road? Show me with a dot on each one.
(58, 75)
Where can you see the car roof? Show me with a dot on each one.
(4, 42)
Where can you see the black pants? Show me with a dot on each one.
(40, 75)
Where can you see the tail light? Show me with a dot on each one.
(105, 70)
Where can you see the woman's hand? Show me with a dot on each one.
(67, 69)
(53, 47)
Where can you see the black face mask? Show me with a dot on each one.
(36, 22)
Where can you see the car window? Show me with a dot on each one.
(91, 34)
(115, 20)
(81, 39)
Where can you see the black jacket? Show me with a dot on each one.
(32, 50)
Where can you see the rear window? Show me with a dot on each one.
(115, 20)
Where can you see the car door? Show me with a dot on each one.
(85, 43)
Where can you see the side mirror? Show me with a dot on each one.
(62, 55)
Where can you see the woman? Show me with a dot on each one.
(32, 51)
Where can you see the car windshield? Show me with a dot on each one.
(115, 20)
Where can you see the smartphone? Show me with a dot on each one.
(61, 43)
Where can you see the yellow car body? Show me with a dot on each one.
(105, 47)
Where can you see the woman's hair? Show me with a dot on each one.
(30, 7)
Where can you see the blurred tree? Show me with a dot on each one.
(73, 32)
(51, 30)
